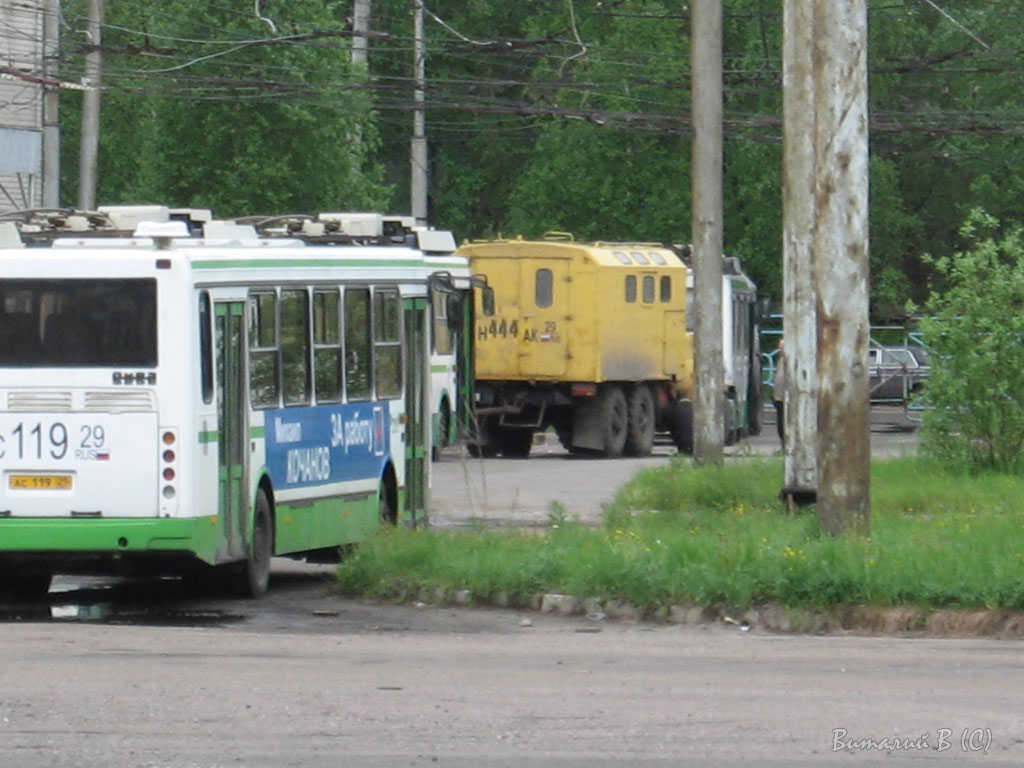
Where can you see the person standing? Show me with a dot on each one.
(779, 392)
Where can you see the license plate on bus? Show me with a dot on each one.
(39, 482)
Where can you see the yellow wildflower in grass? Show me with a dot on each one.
(791, 553)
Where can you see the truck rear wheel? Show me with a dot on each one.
(614, 415)
(484, 446)
(640, 431)
(515, 443)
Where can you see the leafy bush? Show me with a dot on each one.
(975, 332)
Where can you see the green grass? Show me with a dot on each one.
(719, 536)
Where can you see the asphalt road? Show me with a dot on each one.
(305, 678)
(119, 674)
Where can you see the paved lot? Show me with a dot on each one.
(525, 492)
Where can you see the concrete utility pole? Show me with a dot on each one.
(360, 28)
(706, 69)
(841, 263)
(89, 148)
(799, 323)
(51, 96)
(418, 180)
(360, 47)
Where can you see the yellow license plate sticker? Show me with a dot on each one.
(39, 482)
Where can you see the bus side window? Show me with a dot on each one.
(327, 346)
(205, 347)
(357, 343)
(264, 386)
(295, 346)
(387, 346)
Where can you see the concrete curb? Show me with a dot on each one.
(872, 620)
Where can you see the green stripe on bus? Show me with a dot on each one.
(213, 436)
(195, 535)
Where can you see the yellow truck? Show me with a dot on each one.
(587, 338)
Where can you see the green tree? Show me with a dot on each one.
(975, 331)
(212, 106)
(569, 115)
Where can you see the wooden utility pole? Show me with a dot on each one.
(89, 148)
(418, 180)
(706, 69)
(799, 322)
(51, 96)
(841, 263)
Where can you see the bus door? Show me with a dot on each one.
(231, 425)
(465, 365)
(416, 409)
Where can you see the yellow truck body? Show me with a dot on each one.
(567, 311)
(575, 331)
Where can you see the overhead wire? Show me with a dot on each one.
(450, 93)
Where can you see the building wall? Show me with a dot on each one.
(21, 104)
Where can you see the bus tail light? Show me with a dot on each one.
(169, 469)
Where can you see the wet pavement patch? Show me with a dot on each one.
(108, 613)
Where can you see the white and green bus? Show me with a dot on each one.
(451, 351)
(173, 402)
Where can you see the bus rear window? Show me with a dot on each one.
(80, 323)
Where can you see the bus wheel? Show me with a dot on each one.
(640, 431)
(255, 573)
(614, 414)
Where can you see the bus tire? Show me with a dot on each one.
(254, 576)
(640, 429)
(614, 414)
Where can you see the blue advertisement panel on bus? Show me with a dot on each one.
(314, 446)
